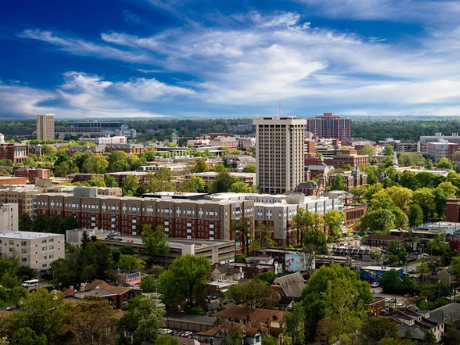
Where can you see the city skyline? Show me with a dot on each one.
(206, 58)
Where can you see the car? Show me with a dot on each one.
(187, 334)
(372, 291)
(214, 297)
(129, 241)
(424, 255)
(399, 305)
(412, 271)
(387, 300)
(375, 284)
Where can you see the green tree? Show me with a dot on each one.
(388, 150)
(445, 163)
(95, 164)
(166, 340)
(367, 150)
(149, 317)
(429, 338)
(437, 246)
(333, 219)
(130, 262)
(88, 320)
(397, 252)
(244, 232)
(68, 223)
(239, 187)
(219, 168)
(130, 184)
(425, 199)
(110, 181)
(250, 168)
(344, 304)
(294, 324)
(149, 284)
(52, 225)
(415, 215)
(378, 220)
(317, 239)
(194, 184)
(42, 312)
(263, 235)
(338, 183)
(390, 282)
(26, 336)
(185, 281)
(10, 280)
(201, 166)
(154, 241)
(376, 254)
(25, 223)
(39, 223)
(250, 294)
(118, 161)
(318, 282)
(267, 277)
(222, 183)
(376, 328)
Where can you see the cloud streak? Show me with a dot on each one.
(269, 58)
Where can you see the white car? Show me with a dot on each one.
(375, 284)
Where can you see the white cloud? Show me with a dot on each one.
(84, 48)
(22, 100)
(271, 58)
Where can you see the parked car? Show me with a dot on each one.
(424, 255)
(375, 284)
(412, 271)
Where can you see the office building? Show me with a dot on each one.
(329, 126)
(422, 145)
(9, 217)
(441, 149)
(45, 127)
(36, 250)
(280, 153)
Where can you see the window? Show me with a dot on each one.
(24, 259)
(51, 247)
(23, 243)
(44, 241)
(50, 240)
(44, 249)
(11, 242)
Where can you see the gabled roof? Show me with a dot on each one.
(291, 284)
(100, 284)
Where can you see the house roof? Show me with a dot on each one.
(236, 312)
(291, 284)
(450, 311)
(100, 284)
(384, 238)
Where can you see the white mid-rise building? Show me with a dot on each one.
(9, 217)
(36, 250)
(280, 153)
(45, 127)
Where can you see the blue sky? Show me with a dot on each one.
(144, 58)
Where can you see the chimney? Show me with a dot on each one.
(116, 282)
(82, 287)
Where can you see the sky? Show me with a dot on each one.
(183, 58)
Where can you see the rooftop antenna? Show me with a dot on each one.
(280, 110)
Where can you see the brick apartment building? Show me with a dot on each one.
(354, 178)
(382, 241)
(187, 219)
(353, 214)
(18, 153)
(329, 126)
(351, 157)
(32, 173)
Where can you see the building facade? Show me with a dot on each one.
(36, 250)
(18, 153)
(330, 126)
(187, 219)
(45, 127)
(280, 154)
(9, 217)
(349, 157)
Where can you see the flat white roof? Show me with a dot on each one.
(25, 234)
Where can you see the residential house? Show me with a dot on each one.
(290, 285)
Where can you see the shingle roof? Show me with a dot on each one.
(291, 284)
(106, 286)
